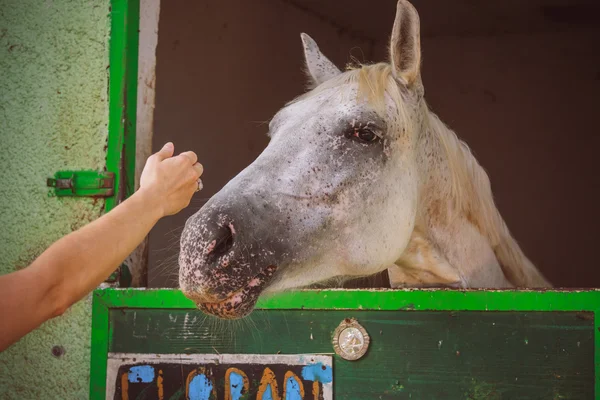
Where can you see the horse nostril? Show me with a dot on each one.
(223, 242)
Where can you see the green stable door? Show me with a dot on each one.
(349, 344)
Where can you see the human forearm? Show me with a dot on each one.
(73, 266)
(97, 249)
(79, 262)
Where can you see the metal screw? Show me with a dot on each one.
(58, 351)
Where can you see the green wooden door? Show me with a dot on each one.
(423, 344)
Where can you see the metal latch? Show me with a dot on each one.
(82, 184)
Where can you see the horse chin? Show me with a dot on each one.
(240, 303)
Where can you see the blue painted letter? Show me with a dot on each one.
(292, 389)
(200, 388)
(317, 373)
(141, 374)
(236, 385)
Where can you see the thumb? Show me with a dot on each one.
(166, 152)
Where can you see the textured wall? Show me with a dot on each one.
(53, 115)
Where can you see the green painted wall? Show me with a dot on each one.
(53, 115)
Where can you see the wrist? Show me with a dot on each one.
(151, 202)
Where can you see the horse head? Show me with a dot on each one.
(338, 191)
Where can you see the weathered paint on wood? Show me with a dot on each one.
(375, 299)
(212, 376)
(417, 355)
(417, 301)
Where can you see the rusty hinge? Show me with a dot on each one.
(82, 184)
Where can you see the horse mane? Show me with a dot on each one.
(472, 197)
(470, 189)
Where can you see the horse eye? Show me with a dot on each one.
(363, 135)
(366, 135)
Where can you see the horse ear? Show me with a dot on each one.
(405, 46)
(319, 68)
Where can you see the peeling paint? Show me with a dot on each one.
(313, 373)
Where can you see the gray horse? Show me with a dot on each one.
(359, 175)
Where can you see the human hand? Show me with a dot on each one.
(171, 181)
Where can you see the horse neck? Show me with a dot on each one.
(455, 197)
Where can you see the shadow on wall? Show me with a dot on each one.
(524, 102)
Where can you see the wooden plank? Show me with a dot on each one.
(397, 299)
(417, 355)
(100, 340)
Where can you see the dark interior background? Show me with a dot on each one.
(518, 80)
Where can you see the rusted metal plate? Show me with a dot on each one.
(219, 376)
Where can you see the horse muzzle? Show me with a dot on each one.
(223, 266)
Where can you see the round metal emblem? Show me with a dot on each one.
(350, 340)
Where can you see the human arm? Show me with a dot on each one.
(76, 264)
